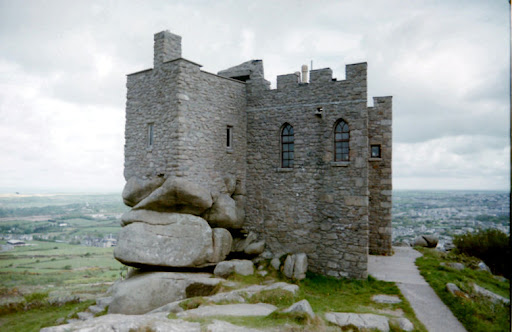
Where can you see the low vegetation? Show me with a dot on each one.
(43, 282)
(325, 294)
(475, 312)
(490, 245)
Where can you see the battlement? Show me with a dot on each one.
(355, 73)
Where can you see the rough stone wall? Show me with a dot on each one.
(210, 104)
(190, 111)
(151, 98)
(319, 207)
(380, 179)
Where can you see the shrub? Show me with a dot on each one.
(490, 245)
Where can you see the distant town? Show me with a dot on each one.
(448, 213)
(94, 220)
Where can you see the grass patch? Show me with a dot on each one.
(278, 297)
(36, 319)
(476, 313)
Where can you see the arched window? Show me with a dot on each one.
(287, 146)
(341, 140)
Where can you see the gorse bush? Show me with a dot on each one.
(490, 245)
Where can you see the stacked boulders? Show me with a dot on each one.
(176, 225)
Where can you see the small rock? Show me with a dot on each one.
(262, 273)
(432, 240)
(361, 321)
(390, 299)
(275, 263)
(221, 326)
(456, 266)
(222, 242)
(85, 315)
(295, 266)
(405, 324)
(255, 248)
(495, 298)
(455, 290)
(242, 267)
(429, 241)
(96, 309)
(420, 242)
(483, 267)
(301, 307)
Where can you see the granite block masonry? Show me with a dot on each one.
(306, 166)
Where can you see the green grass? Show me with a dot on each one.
(325, 294)
(59, 268)
(35, 319)
(476, 313)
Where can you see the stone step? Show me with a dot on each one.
(96, 309)
(85, 315)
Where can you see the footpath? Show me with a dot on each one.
(429, 308)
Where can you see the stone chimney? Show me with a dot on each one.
(167, 47)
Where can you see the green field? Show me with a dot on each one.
(57, 268)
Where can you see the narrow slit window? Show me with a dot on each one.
(150, 135)
(287, 146)
(341, 141)
(375, 151)
(229, 137)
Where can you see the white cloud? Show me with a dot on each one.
(62, 77)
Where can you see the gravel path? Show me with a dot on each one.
(429, 308)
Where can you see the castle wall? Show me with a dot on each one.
(380, 184)
(189, 110)
(319, 207)
(209, 104)
(151, 99)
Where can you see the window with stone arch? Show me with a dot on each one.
(341, 141)
(287, 146)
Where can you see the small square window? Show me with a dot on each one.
(375, 151)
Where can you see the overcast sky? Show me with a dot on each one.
(63, 66)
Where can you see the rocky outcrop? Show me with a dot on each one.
(137, 189)
(184, 241)
(147, 291)
(178, 195)
(127, 323)
(170, 226)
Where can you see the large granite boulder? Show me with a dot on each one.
(178, 195)
(147, 291)
(182, 241)
(137, 189)
(223, 213)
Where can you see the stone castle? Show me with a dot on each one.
(303, 168)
